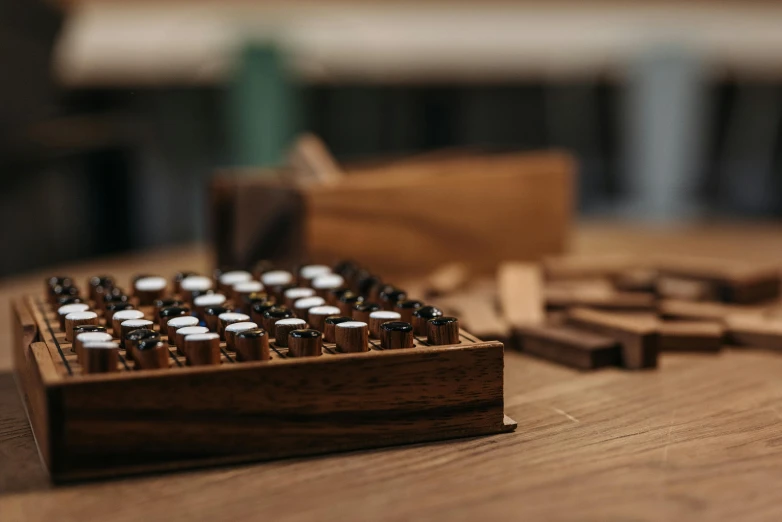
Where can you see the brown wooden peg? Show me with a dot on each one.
(151, 354)
(202, 349)
(193, 286)
(241, 292)
(182, 333)
(121, 316)
(100, 357)
(202, 302)
(227, 318)
(76, 318)
(274, 314)
(362, 310)
(165, 302)
(406, 309)
(301, 308)
(172, 325)
(380, 317)
(421, 317)
(317, 316)
(252, 345)
(305, 343)
(324, 284)
(88, 337)
(129, 326)
(396, 334)
(83, 328)
(352, 336)
(285, 326)
(135, 336)
(149, 289)
(69, 309)
(291, 295)
(442, 331)
(329, 327)
(234, 328)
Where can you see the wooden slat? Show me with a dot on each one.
(638, 337)
(570, 346)
(520, 287)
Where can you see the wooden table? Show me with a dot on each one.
(697, 439)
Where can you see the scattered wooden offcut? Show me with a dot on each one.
(621, 310)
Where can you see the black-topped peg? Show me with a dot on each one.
(347, 302)
(305, 343)
(443, 330)
(151, 354)
(161, 304)
(252, 345)
(396, 334)
(112, 308)
(259, 307)
(406, 309)
(133, 337)
(68, 299)
(421, 318)
(362, 310)
(99, 282)
(329, 331)
(212, 316)
(389, 296)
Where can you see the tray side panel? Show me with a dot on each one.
(261, 412)
(29, 356)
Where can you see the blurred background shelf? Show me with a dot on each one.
(123, 108)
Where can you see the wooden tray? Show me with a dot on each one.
(136, 421)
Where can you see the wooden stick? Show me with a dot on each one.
(570, 346)
(520, 288)
(637, 336)
(691, 336)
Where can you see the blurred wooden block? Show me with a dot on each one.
(637, 336)
(311, 159)
(570, 346)
(520, 289)
(401, 221)
(669, 287)
(614, 301)
(640, 279)
(735, 282)
(753, 330)
(691, 336)
(679, 309)
(447, 279)
(479, 313)
(586, 267)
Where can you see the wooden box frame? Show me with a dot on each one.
(89, 426)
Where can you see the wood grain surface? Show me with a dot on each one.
(696, 439)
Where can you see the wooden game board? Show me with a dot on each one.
(135, 421)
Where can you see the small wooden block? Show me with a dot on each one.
(670, 287)
(637, 336)
(614, 301)
(447, 279)
(582, 267)
(639, 279)
(752, 330)
(691, 336)
(679, 309)
(736, 282)
(520, 287)
(570, 346)
(312, 160)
